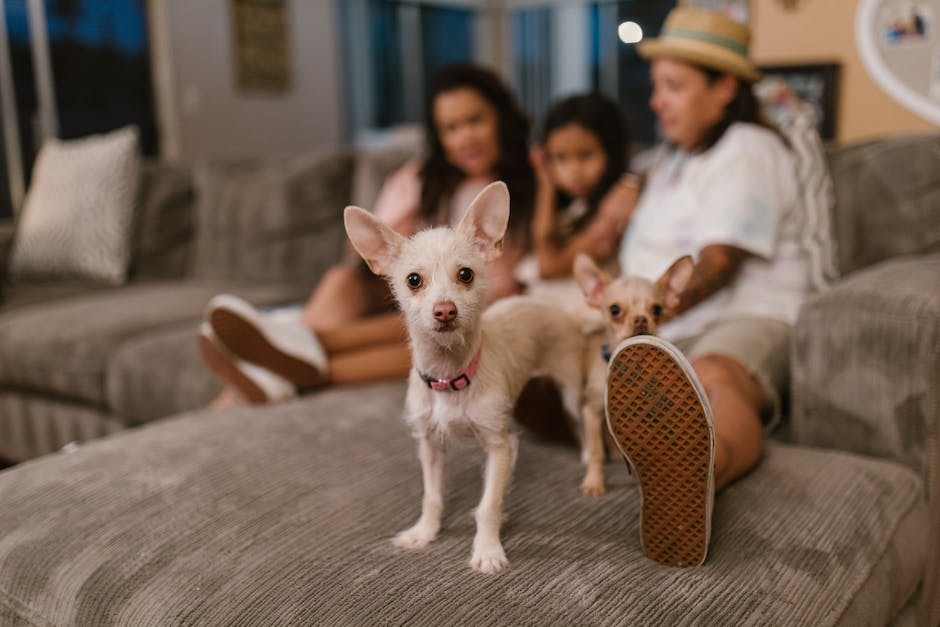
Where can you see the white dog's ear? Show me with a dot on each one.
(376, 243)
(486, 219)
(674, 280)
(591, 278)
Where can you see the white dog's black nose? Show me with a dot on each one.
(445, 311)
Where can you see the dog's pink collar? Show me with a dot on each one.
(458, 382)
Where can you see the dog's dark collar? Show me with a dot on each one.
(457, 383)
(605, 352)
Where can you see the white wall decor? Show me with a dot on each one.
(899, 43)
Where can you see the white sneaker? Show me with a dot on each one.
(257, 385)
(279, 343)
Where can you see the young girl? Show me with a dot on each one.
(584, 196)
(583, 203)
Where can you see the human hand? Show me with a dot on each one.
(538, 160)
(617, 205)
(601, 239)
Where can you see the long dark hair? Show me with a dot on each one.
(744, 108)
(440, 178)
(603, 118)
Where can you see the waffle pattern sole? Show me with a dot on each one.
(220, 364)
(245, 340)
(659, 423)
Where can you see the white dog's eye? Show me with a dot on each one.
(465, 275)
(657, 310)
(414, 280)
(615, 310)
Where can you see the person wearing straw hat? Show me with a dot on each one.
(689, 408)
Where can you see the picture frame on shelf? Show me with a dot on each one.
(815, 83)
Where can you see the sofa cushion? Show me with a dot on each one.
(284, 514)
(887, 199)
(276, 220)
(63, 348)
(164, 222)
(17, 295)
(159, 374)
(32, 425)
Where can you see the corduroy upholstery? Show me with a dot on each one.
(284, 516)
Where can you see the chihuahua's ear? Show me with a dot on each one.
(376, 243)
(674, 280)
(591, 278)
(486, 219)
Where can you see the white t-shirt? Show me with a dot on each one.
(742, 192)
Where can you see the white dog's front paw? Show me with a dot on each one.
(489, 560)
(416, 537)
(593, 485)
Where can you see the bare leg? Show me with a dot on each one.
(431, 454)
(385, 328)
(344, 294)
(488, 554)
(228, 397)
(736, 399)
(349, 312)
(378, 363)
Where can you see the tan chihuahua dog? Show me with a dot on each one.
(469, 365)
(630, 306)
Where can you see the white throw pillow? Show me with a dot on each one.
(78, 214)
(797, 120)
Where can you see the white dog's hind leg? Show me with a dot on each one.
(488, 555)
(431, 454)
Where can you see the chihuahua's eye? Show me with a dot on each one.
(656, 310)
(414, 280)
(615, 310)
(465, 275)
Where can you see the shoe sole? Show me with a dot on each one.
(246, 341)
(658, 416)
(219, 363)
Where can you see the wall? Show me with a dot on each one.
(824, 30)
(200, 112)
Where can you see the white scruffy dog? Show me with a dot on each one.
(469, 365)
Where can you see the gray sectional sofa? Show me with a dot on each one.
(82, 360)
(283, 515)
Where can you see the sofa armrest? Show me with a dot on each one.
(866, 376)
(866, 364)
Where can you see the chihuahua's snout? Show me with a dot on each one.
(641, 324)
(445, 311)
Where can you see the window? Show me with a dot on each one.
(407, 41)
(100, 65)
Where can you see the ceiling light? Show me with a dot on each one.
(630, 32)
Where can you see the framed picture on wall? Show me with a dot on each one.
(815, 83)
(262, 46)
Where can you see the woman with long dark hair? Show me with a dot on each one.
(348, 330)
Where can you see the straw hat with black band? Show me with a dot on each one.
(703, 38)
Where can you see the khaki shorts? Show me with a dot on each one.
(761, 345)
